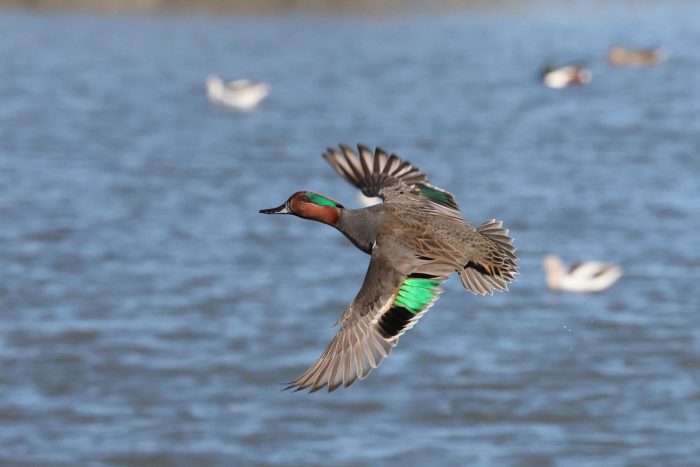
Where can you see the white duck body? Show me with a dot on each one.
(558, 78)
(239, 94)
(587, 276)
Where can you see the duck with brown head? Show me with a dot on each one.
(416, 238)
(309, 205)
(358, 225)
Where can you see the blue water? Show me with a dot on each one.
(150, 315)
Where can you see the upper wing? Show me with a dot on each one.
(388, 304)
(378, 174)
(372, 173)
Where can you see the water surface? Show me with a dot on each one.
(150, 314)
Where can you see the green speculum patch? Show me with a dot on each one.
(416, 294)
(321, 200)
(437, 196)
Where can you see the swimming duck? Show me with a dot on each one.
(621, 56)
(562, 77)
(586, 276)
(240, 94)
(416, 238)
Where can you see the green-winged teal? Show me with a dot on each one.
(417, 237)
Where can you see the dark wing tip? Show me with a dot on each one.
(372, 170)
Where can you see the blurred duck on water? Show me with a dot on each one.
(417, 238)
(239, 94)
(565, 76)
(585, 276)
(621, 56)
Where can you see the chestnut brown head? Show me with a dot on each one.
(309, 205)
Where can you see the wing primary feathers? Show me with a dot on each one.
(379, 155)
(373, 172)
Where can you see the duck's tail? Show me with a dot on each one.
(496, 267)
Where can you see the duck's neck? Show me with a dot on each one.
(555, 271)
(360, 226)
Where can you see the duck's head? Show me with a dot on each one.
(554, 269)
(309, 205)
(552, 262)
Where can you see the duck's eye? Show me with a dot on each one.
(305, 199)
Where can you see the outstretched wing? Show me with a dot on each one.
(388, 304)
(387, 176)
(372, 172)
